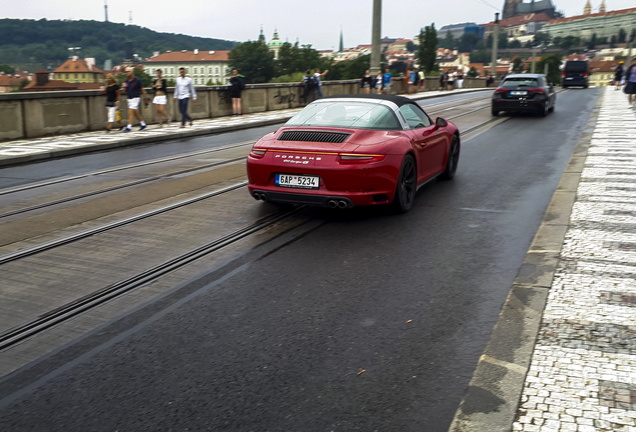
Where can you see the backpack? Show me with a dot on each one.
(309, 82)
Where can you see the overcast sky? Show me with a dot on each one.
(310, 22)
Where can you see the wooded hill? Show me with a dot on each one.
(41, 44)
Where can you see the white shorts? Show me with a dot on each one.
(111, 114)
(133, 103)
(160, 100)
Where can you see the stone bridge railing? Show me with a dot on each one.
(37, 114)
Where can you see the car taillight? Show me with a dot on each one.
(257, 153)
(358, 158)
(584, 74)
(500, 90)
(537, 90)
(563, 75)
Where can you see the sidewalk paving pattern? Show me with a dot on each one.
(582, 376)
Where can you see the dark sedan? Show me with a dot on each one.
(524, 93)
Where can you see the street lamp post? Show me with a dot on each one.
(495, 42)
(376, 47)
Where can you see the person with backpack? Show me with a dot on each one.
(309, 87)
(630, 84)
(237, 85)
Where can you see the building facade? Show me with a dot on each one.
(76, 70)
(204, 67)
(601, 24)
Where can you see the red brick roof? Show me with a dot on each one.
(75, 65)
(189, 57)
(603, 66)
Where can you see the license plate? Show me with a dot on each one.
(297, 181)
(518, 93)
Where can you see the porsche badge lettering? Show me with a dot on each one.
(297, 159)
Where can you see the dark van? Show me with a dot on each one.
(576, 73)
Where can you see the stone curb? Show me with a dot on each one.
(492, 399)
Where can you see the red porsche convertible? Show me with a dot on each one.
(348, 151)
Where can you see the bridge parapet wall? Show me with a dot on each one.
(38, 114)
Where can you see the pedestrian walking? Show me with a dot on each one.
(366, 83)
(134, 91)
(422, 79)
(460, 79)
(443, 78)
(450, 80)
(237, 84)
(378, 81)
(387, 79)
(183, 91)
(630, 84)
(317, 76)
(160, 100)
(618, 75)
(413, 81)
(113, 92)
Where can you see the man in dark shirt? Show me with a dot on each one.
(134, 90)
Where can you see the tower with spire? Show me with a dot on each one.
(275, 44)
(261, 36)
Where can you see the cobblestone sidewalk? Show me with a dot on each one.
(583, 372)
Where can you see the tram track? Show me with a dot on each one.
(72, 309)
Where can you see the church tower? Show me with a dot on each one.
(588, 8)
(510, 8)
(602, 8)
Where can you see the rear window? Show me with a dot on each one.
(517, 82)
(575, 66)
(350, 114)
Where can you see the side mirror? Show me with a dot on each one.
(440, 122)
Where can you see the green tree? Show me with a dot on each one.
(411, 47)
(9, 70)
(448, 42)
(622, 35)
(472, 72)
(541, 39)
(295, 58)
(480, 57)
(554, 62)
(254, 60)
(468, 42)
(350, 69)
(427, 54)
(517, 65)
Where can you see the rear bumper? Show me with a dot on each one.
(537, 106)
(330, 201)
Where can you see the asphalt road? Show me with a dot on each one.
(369, 322)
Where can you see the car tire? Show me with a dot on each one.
(494, 112)
(546, 109)
(452, 161)
(406, 186)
